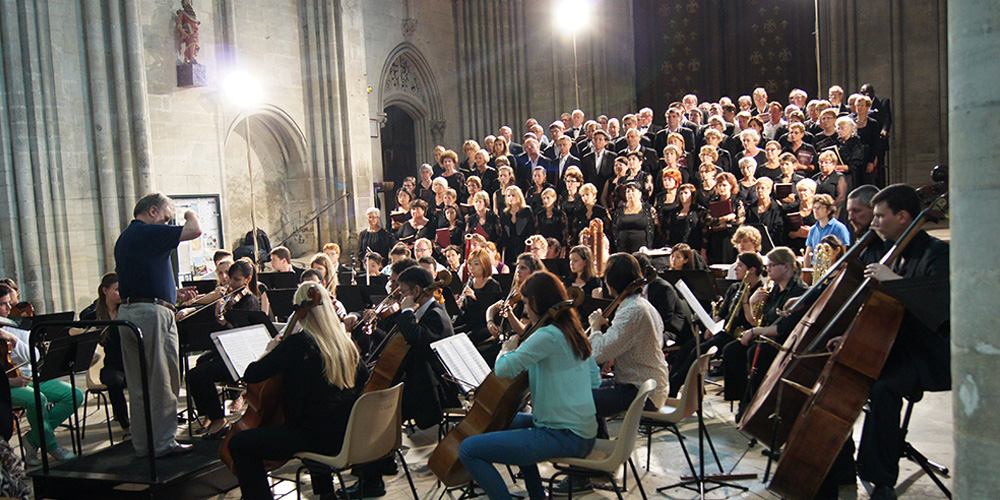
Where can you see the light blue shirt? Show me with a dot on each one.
(834, 227)
(560, 383)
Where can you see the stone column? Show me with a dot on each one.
(975, 249)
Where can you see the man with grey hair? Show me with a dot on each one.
(149, 294)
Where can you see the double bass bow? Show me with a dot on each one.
(265, 400)
(497, 402)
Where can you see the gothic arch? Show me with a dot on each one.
(408, 82)
(283, 187)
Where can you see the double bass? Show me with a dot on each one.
(835, 401)
(497, 403)
(798, 364)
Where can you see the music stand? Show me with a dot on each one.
(66, 355)
(242, 318)
(590, 305)
(281, 302)
(28, 321)
(766, 242)
(279, 280)
(505, 280)
(558, 267)
(202, 286)
(354, 297)
(701, 283)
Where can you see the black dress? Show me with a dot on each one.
(556, 226)
(633, 231)
(676, 228)
(491, 227)
(773, 219)
(592, 284)
(797, 244)
(583, 222)
(407, 230)
(829, 184)
(719, 239)
(380, 242)
(456, 181)
(513, 234)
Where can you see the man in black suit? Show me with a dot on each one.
(556, 130)
(564, 160)
(421, 321)
(508, 134)
(633, 142)
(673, 311)
(577, 118)
(599, 164)
(674, 117)
(527, 161)
(645, 123)
(836, 97)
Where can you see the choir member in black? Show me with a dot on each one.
(802, 212)
(826, 137)
(869, 130)
(772, 166)
(551, 220)
(487, 174)
(805, 153)
(719, 248)
(828, 180)
(473, 185)
(456, 225)
(418, 226)
(469, 149)
(748, 183)
(210, 368)
(571, 202)
(682, 223)
(591, 210)
(113, 372)
(517, 223)
(666, 198)
(374, 238)
(706, 187)
(403, 200)
(456, 179)
(505, 179)
(852, 152)
(322, 377)
(749, 359)
(735, 312)
(482, 219)
(767, 212)
(920, 358)
(614, 188)
(636, 174)
(634, 222)
(750, 139)
(425, 186)
(533, 196)
(583, 274)
(788, 176)
(725, 160)
(671, 161)
(435, 206)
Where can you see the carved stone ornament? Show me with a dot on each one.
(437, 129)
(402, 77)
(409, 26)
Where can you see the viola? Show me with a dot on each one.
(231, 300)
(497, 403)
(6, 363)
(22, 310)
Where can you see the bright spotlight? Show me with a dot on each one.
(573, 15)
(242, 89)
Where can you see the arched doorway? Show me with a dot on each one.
(399, 149)
(283, 194)
(408, 86)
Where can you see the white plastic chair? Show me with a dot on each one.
(609, 454)
(676, 410)
(95, 387)
(374, 431)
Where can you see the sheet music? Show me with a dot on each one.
(706, 319)
(241, 346)
(462, 360)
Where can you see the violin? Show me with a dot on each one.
(228, 301)
(22, 309)
(385, 309)
(6, 363)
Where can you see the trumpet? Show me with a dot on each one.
(758, 308)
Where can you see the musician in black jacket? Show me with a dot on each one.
(421, 321)
(920, 358)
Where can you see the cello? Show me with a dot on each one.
(387, 369)
(265, 400)
(835, 401)
(497, 402)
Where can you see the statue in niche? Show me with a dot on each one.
(189, 72)
(187, 30)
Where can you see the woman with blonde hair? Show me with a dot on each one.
(322, 378)
(516, 224)
(322, 263)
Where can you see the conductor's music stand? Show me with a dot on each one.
(65, 356)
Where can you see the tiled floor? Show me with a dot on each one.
(930, 432)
